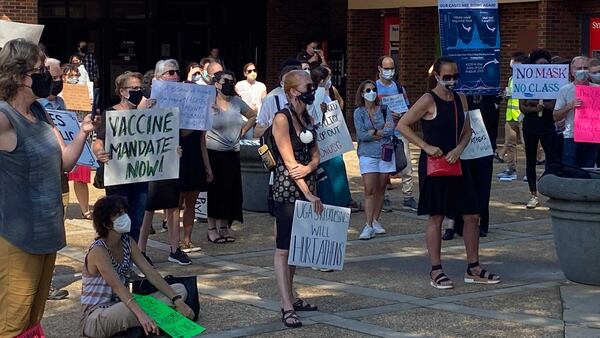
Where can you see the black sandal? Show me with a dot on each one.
(441, 278)
(228, 238)
(218, 240)
(470, 278)
(290, 314)
(301, 305)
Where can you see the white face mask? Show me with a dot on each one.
(388, 74)
(307, 71)
(72, 80)
(328, 84)
(447, 84)
(370, 96)
(122, 224)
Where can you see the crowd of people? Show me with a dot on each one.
(35, 164)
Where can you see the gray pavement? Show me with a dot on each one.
(383, 290)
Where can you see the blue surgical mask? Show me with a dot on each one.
(581, 75)
(595, 77)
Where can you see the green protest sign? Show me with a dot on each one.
(169, 320)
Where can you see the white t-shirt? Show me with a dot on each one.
(269, 107)
(251, 93)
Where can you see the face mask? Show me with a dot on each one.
(122, 224)
(328, 84)
(205, 76)
(227, 88)
(308, 97)
(370, 96)
(306, 136)
(135, 97)
(581, 75)
(72, 80)
(595, 77)
(307, 71)
(447, 84)
(282, 84)
(41, 84)
(57, 87)
(83, 49)
(388, 74)
(197, 77)
(252, 76)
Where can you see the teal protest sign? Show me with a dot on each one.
(169, 320)
(66, 122)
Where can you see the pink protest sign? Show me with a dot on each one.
(587, 116)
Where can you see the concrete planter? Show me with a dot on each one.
(575, 211)
(255, 178)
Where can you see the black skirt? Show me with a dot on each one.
(163, 195)
(224, 196)
(192, 173)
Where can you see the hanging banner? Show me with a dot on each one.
(66, 122)
(470, 34)
(480, 145)
(319, 241)
(538, 81)
(194, 102)
(333, 137)
(142, 145)
(587, 116)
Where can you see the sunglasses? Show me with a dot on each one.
(197, 73)
(368, 90)
(451, 77)
(251, 71)
(171, 72)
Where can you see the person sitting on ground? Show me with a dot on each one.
(108, 306)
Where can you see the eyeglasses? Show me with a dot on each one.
(368, 90)
(451, 77)
(250, 71)
(171, 72)
(134, 88)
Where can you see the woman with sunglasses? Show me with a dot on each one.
(250, 90)
(446, 133)
(223, 143)
(297, 158)
(374, 129)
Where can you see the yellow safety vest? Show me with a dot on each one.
(512, 108)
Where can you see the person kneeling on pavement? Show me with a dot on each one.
(108, 306)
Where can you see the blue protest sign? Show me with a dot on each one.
(66, 122)
(470, 34)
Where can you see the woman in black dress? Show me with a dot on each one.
(446, 132)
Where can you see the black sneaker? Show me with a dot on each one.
(147, 258)
(448, 234)
(57, 294)
(179, 257)
(411, 204)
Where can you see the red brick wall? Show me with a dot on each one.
(20, 10)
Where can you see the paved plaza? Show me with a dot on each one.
(383, 290)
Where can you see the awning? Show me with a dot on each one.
(383, 4)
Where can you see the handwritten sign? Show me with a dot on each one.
(333, 137)
(319, 240)
(142, 145)
(77, 97)
(68, 125)
(169, 320)
(480, 145)
(395, 103)
(201, 206)
(13, 30)
(194, 102)
(538, 81)
(587, 116)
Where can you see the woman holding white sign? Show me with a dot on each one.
(295, 140)
(446, 186)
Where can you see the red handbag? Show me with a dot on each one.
(438, 166)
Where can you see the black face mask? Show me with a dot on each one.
(83, 49)
(227, 88)
(57, 87)
(41, 84)
(308, 97)
(135, 97)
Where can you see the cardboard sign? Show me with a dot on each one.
(168, 319)
(319, 240)
(68, 125)
(538, 81)
(77, 97)
(480, 145)
(14, 30)
(201, 205)
(194, 102)
(333, 137)
(587, 116)
(142, 145)
(395, 103)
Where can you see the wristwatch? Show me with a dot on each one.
(175, 299)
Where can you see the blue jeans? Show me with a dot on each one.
(569, 152)
(136, 195)
(586, 154)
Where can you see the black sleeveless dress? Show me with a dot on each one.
(447, 196)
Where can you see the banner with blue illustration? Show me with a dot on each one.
(470, 34)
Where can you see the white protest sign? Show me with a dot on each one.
(538, 81)
(480, 145)
(142, 145)
(194, 102)
(319, 240)
(395, 103)
(66, 122)
(13, 30)
(201, 206)
(333, 137)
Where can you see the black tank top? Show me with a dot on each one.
(442, 131)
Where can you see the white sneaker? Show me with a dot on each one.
(378, 228)
(533, 203)
(367, 233)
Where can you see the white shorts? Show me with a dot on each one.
(376, 165)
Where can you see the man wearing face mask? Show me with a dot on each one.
(582, 155)
(89, 62)
(204, 78)
(312, 55)
(387, 86)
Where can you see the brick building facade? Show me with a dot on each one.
(19, 10)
